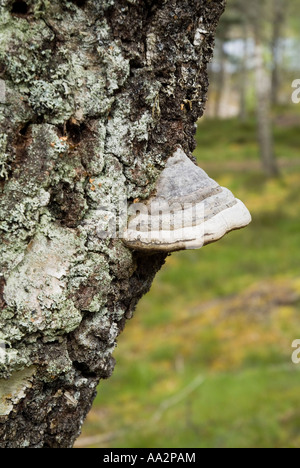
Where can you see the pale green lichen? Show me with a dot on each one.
(49, 98)
(25, 64)
(97, 102)
(108, 189)
(18, 222)
(60, 147)
(116, 66)
(25, 212)
(47, 89)
(140, 128)
(140, 176)
(37, 289)
(40, 6)
(60, 366)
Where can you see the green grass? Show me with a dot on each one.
(227, 313)
(237, 141)
(232, 411)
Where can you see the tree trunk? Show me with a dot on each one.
(95, 96)
(244, 77)
(264, 122)
(279, 16)
(220, 80)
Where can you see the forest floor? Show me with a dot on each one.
(206, 361)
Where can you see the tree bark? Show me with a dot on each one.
(96, 95)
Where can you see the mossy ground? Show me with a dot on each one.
(206, 362)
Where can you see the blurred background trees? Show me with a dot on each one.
(256, 51)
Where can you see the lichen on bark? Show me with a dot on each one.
(98, 94)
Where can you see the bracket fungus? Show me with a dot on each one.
(188, 211)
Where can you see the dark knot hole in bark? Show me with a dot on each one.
(79, 3)
(19, 8)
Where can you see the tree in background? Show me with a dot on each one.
(280, 10)
(260, 23)
(224, 33)
(263, 84)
